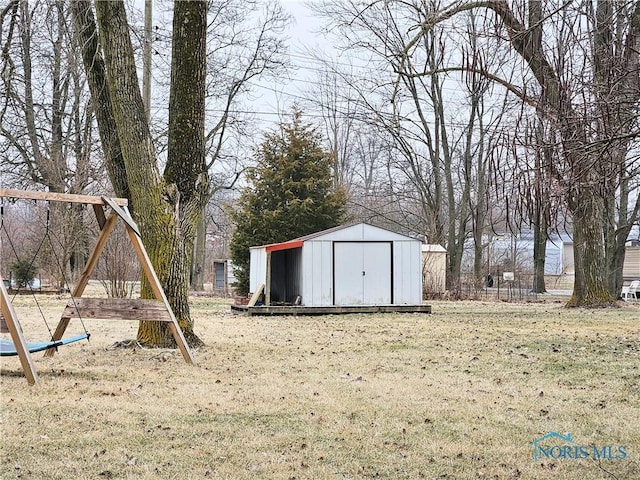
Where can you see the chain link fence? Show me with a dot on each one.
(516, 288)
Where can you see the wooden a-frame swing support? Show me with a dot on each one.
(77, 307)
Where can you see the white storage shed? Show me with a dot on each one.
(356, 264)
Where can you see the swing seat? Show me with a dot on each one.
(8, 349)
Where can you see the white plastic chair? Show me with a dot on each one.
(631, 291)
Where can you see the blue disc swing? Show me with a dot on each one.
(8, 347)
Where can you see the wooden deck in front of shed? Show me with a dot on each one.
(296, 310)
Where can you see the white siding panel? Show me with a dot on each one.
(310, 264)
(631, 267)
(375, 234)
(324, 289)
(407, 276)
(352, 233)
(317, 273)
(257, 268)
(553, 260)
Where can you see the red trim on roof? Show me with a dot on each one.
(274, 247)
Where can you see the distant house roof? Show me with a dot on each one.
(433, 248)
(560, 238)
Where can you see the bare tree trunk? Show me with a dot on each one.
(539, 202)
(479, 218)
(199, 256)
(540, 236)
(97, 79)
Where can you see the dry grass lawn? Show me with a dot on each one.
(458, 394)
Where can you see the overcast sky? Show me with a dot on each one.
(303, 38)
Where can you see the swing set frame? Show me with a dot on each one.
(104, 308)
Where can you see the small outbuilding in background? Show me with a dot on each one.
(434, 270)
(350, 265)
(223, 276)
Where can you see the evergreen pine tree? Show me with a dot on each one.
(290, 194)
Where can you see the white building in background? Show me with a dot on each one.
(434, 269)
(559, 257)
(503, 249)
(223, 276)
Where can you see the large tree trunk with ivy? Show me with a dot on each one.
(159, 209)
(186, 167)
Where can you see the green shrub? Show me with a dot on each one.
(24, 272)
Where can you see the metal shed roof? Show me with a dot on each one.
(297, 242)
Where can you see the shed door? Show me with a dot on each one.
(219, 275)
(362, 273)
